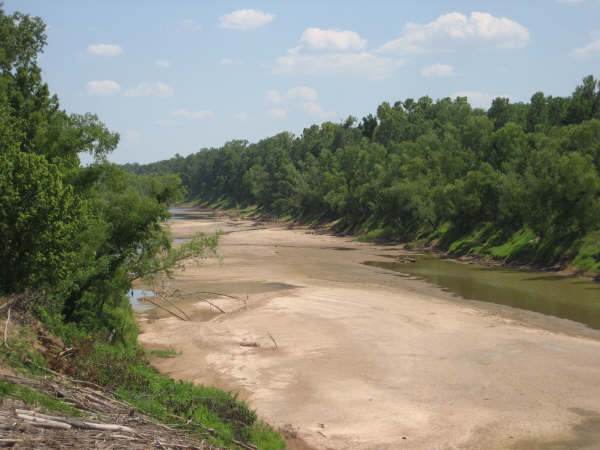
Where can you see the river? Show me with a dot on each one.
(384, 355)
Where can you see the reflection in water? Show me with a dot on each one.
(569, 298)
(189, 214)
(135, 295)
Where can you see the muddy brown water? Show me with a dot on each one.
(565, 297)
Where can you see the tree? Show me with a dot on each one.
(80, 234)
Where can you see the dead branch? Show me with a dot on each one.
(274, 341)
(67, 352)
(158, 305)
(165, 293)
(44, 418)
(244, 445)
(6, 328)
(166, 445)
(213, 305)
(174, 305)
(249, 344)
(220, 294)
(45, 423)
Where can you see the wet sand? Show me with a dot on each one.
(352, 356)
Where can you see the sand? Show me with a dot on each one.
(355, 357)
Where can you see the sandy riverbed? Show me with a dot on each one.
(367, 358)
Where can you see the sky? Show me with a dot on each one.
(179, 76)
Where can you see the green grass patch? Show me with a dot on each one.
(128, 372)
(520, 247)
(176, 401)
(164, 353)
(588, 256)
(378, 234)
(36, 398)
(471, 243)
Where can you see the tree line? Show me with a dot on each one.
(519, 182)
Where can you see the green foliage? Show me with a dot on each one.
(588, 256)
(78, 236)
(518, 182)
(39, 217)
(520, 247)
(36, 399)
(164, 353)
(126, 369)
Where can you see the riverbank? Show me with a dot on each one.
(425, 246)
(350, 356)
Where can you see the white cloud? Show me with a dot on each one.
(105, 49)
(166, 123)
(189, 25)
(163, 63)
(278, 113)
(455, 30)
(332, 40)
(104, 87)
(315, 109)
(241, 116)
(299, 96)
(364, 63)
(245, 19)
(295, 93)
(438, 70)
(587, 52)
(479, 99)
(157, 89)
(202, 114)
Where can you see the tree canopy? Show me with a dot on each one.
(78, 234)
(430, 171)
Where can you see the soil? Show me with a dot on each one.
(351, 356)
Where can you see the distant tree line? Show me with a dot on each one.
(519, 181)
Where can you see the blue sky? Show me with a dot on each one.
(175, 77)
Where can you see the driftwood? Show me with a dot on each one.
(244, 445)
(42, 422)
(213, 305)
(164, 308)
(274, 341)
(6, 327)
(35, 416)
(111, 424)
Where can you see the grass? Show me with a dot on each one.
(378, 234)
(520, 246)
(36, 398)
(164, 353)
(129, 373)
(125, 369)
(588, 256)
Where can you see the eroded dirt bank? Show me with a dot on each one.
(351, 356)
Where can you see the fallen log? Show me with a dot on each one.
(44, 423)
(73, 423)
